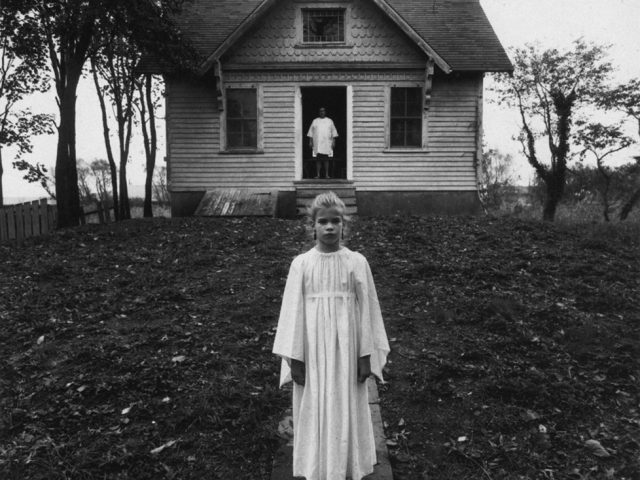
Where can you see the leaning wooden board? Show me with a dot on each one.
(237, 202)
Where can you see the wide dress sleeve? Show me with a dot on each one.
(373, 337)
(289, 340)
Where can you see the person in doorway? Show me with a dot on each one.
(322, 140)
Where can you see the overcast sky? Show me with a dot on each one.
(516, 22)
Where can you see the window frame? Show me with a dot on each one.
(340, 14)
(344, 6)
(422, 146)
(224, 118)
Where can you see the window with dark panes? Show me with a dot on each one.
(323, 25)
(406, 117)
(242, 118)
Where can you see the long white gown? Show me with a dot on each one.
(330, 317)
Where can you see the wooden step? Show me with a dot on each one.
(307, 190)
(350, 211)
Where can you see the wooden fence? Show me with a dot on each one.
(25, 220)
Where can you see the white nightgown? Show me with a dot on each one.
(330, 317)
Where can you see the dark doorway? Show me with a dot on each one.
(334, 100)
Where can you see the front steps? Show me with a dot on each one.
(306, 191)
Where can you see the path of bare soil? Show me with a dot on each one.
(142, 350)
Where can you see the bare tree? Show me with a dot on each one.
(149, 95)
(160, 190)
(102, 175)
(496, 177)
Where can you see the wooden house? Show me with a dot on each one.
(401, 79)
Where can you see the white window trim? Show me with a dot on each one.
(387, 121)
(260, 122)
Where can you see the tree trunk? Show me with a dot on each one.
(66, 173)
(105, 131)
(555, 187)
(125, 208)
(605, 198)
(628, 206)
(1, 179)
(148, 204)
(150, 142)
(125, 138)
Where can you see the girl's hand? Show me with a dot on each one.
(364, 368)
(298, 371)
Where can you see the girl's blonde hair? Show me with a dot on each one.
(326, 200)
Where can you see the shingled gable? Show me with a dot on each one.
(455, 33)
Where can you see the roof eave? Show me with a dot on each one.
(237, 33)
(413, 35)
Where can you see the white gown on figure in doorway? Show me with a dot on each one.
(330, 317)
(322, 131)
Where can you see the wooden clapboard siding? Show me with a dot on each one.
(195, 159)
(447, 163)
(449, 160)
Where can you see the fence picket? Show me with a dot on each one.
(35, 218)
(52, 216)
(17, 212)
(27, 229)
(11, 222)
(43, 215)
(4, 233)
(25, 220)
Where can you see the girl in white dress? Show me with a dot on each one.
(331, 339)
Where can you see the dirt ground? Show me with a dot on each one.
(142, 350)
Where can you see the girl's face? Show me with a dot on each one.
(328, 227)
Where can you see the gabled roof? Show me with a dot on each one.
(456, 33)
(458, 30)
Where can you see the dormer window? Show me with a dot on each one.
(323, 25)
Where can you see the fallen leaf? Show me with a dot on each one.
(170, 443)
(596, 448)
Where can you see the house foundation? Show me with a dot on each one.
(418, 203)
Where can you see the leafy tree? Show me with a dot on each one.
(601, 141)
(547, 87)
(70, 32)
(21, 74)
(626, 98)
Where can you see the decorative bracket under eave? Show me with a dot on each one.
(217, 71)
(428, 83)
